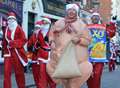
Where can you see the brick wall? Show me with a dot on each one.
(105, 10)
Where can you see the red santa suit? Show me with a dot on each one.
(41, 58)
(111, 29)
(14, 54)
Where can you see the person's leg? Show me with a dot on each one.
(66, 83)
(114, 64)
(51, 83)
(90, 81)
(19, 72)
(7, 72)
(110, 65)
(43, 76)
(36, 73)
(95, 82)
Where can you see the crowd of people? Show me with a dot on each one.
(70, 52)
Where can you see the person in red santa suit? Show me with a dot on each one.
(111, 27)
(112, 62)
(97, 58)
(111, 31)
(14, 53)
(40, 57)
(45, 27)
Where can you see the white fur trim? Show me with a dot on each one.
(74, 6)
(46, 19)
(7, 55)
(20, 58)
(113, 21)
(13, 32)
(45, 61)
(37, 25)
(35, 62)
(95, 14)
(11, 17)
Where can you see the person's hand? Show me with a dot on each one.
(76, 40)
(52, 45)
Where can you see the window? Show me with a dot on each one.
(55, 7)
(31, 21)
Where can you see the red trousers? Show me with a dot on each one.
(95, 80)
(111, 65)
(41, 77)
(19, 72)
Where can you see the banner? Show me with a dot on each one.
(97, 48)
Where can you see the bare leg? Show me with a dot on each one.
(66, 83)
(86, 70)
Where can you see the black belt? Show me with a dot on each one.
(45, 49)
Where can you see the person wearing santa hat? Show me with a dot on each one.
(45, 27)
(111, 31)
(97, 55)
(41, 51)
(66, 31)
(111, 27)
(14, 53)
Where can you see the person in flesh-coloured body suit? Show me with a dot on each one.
(70, 29)
(40, 55)
(14, 53)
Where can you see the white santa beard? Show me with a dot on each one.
(12, 26)
(45, 30)
(36, 31)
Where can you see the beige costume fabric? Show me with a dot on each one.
(61, 39)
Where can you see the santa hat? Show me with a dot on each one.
(74, 6)
(11, 15)
(45, 18)
(38, 24)
(95, 14)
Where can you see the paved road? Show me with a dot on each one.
(109, 80)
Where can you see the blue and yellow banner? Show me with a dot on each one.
(97, 48)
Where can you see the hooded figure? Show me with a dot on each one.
(69, 39)
(14, 53)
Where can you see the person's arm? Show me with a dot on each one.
(55, 29)
(51, 35)
(83, 36)
(85, 40)
(6, 52)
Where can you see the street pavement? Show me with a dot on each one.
(109, 79)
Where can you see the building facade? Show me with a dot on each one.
(15, 6)
(33, 10)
